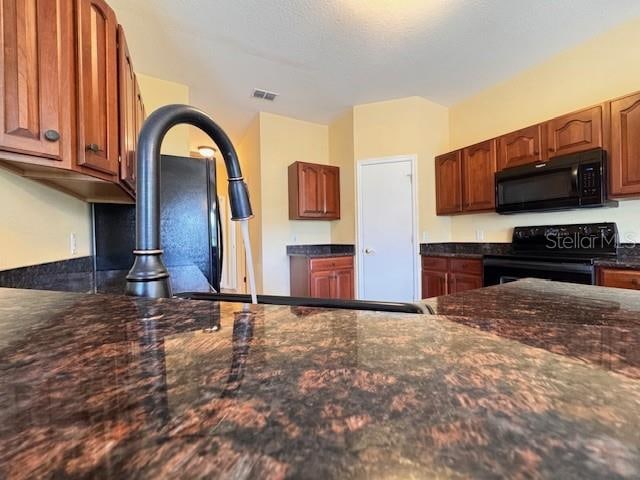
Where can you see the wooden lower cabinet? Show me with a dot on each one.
(444, 276)
(434, 284)
(322, 277)
(619, 278)
(460, 282)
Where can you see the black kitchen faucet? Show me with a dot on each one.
(149, 276)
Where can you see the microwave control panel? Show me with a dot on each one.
(590, 183)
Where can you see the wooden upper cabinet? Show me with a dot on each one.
(127, 95)
(449, 183)
(310, 190)
(97, 86)
(576, 131)
(478, 175)
(521, 147)
(624, 163)
(330, 178)
(141, 111)
(36, 84)
(314, 191)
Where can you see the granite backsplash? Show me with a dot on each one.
(79, 275)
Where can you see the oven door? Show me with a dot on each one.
(537, 188)
(500, 270)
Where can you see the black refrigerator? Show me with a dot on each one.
(190, 225)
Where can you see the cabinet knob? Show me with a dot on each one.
(52, 135)
(93, 147)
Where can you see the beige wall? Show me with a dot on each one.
(36, 223)
(249, 154)
(603, 68)
(283, 141)
(158, 93)
(408, 126)
(341, 154)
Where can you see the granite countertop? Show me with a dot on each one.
(116, 387)
(475, 256)
(324, 250)
(597, 325)
(78, 275)
(628, 255)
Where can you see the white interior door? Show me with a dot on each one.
(387, 253)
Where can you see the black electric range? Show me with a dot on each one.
(563, 253)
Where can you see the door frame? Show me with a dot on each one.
(413, 160)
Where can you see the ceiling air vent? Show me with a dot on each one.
(264, 95)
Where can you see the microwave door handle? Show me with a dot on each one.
(575, 174)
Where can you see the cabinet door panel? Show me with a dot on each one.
(128, 103)
(575, 132)
(97, 82)
(35, 88)
(625, 146)
(343, 284)
(331, 192)
(462, 283)
(520, 147)
(478, 174)
(434, 284)
(449, 183)
(321, 284)
(311, 202)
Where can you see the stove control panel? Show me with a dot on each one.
(593, 238)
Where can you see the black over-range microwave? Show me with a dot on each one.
(571, 181)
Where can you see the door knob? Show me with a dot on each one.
(369, 251)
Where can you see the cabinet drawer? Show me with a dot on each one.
(435, 263)
(467, 266)
(330, 263)
(610, 277)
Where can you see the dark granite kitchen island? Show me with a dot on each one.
(115, 387)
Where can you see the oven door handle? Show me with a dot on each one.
(548, 266)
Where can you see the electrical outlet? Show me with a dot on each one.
(73, 244)
(480, 235)
(425, 237)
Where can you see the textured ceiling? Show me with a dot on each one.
(323, 56)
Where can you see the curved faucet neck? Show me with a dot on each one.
(149, 276)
